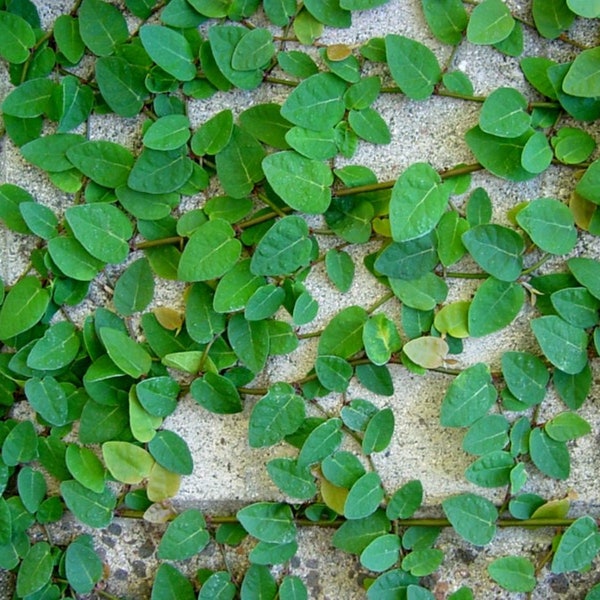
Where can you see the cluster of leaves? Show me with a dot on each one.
(97, 396)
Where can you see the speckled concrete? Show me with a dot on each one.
(228, 473)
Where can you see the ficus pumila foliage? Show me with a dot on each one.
(97, 395)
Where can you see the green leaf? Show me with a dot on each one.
(35, 570)
(473, 517)
(583, 77)
(285, 248)
(49, 152)
(304, 184)
(83, 566)
(350, 218)
(577, 547)
(526, 376)
(265, 553)
(334, 373)
(549, 456)
(500, 156)
(101, 40)
(270, 522)
(504, 113)
(379, 431)
(486, 435)
(576, 306)
(551, 17)
(495, 305)
(86, 468)
(342, 469)
(236, 288)
(185, 536)
(449, 232)
(563, 344)
(381, 554)
(223, 42)
(121, 84)
(452, 319)
(343, 334)
(217, 394)
(135, 288)
(589, 10)
(491, 470)
(316, 103)
(413, 66)
(31, 486)
(392, 584)
(30, 99)
(573, 145)
(587, 273)
(422, 562)
(48, 399)
(254, 50)
(469, 397)
(428, 352)
(24, 305)
(537, 154)
(11, 198)
(127, 354)
(380, 338)
(172, 452)
(170, 584)
(321, 442)
(258, 583)
(364, 497)
(513, 573)
(68, 39)
(202, 321)
(210, 252)
(292, 480)
(355, 535)
(573, 388)
(368, 124)
(218, 587)
(408, 260)
(405, 501)
(160, 172)
(40, 219)
(292, 588)
(167, 133)
(418, 202)
(447, 19)
(249, 340)
(56, 349)
(93, 509)
(16, 38)
(214, 134)
(340, 269)
(567, 426)
(496, 249)
(127, 462)
(329, 12)
(239, 163)
(102, 229)
(490, 23)
(170, 50)
(550, 225)
(106, 163)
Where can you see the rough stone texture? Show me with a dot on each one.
(229, 474)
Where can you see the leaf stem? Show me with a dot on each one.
(168, 241)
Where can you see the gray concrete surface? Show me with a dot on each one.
(227, 472)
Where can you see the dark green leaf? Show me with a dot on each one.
(405, 501)
(160, 172)
(217, 394)
(497, 249)
(408, 260)
(127, 354)
(93, 509)
(16, 37)
(468, 398)
(172, 452)
(135, 288)
(321, 442)
(549, 456)
(35, 570)
(170, 584)
(418, 202)
(379, 431)
(491, 470)
(101, 40)
(214, 134)
(343, 335)
(490, 23)
(447, 19)
(30, 99)
(185, 536)
(329, 12)
(24, 305)
(513, 573)
(355, 535)
(121, 85)
(292, 480)
(83, 566)
(364, 497)
(414, 67)
(563, 344)
(170, 50)
(106, 163)
(258, 583)
(495, 304)
(577, 547)
(473, 517)
(268, 522)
